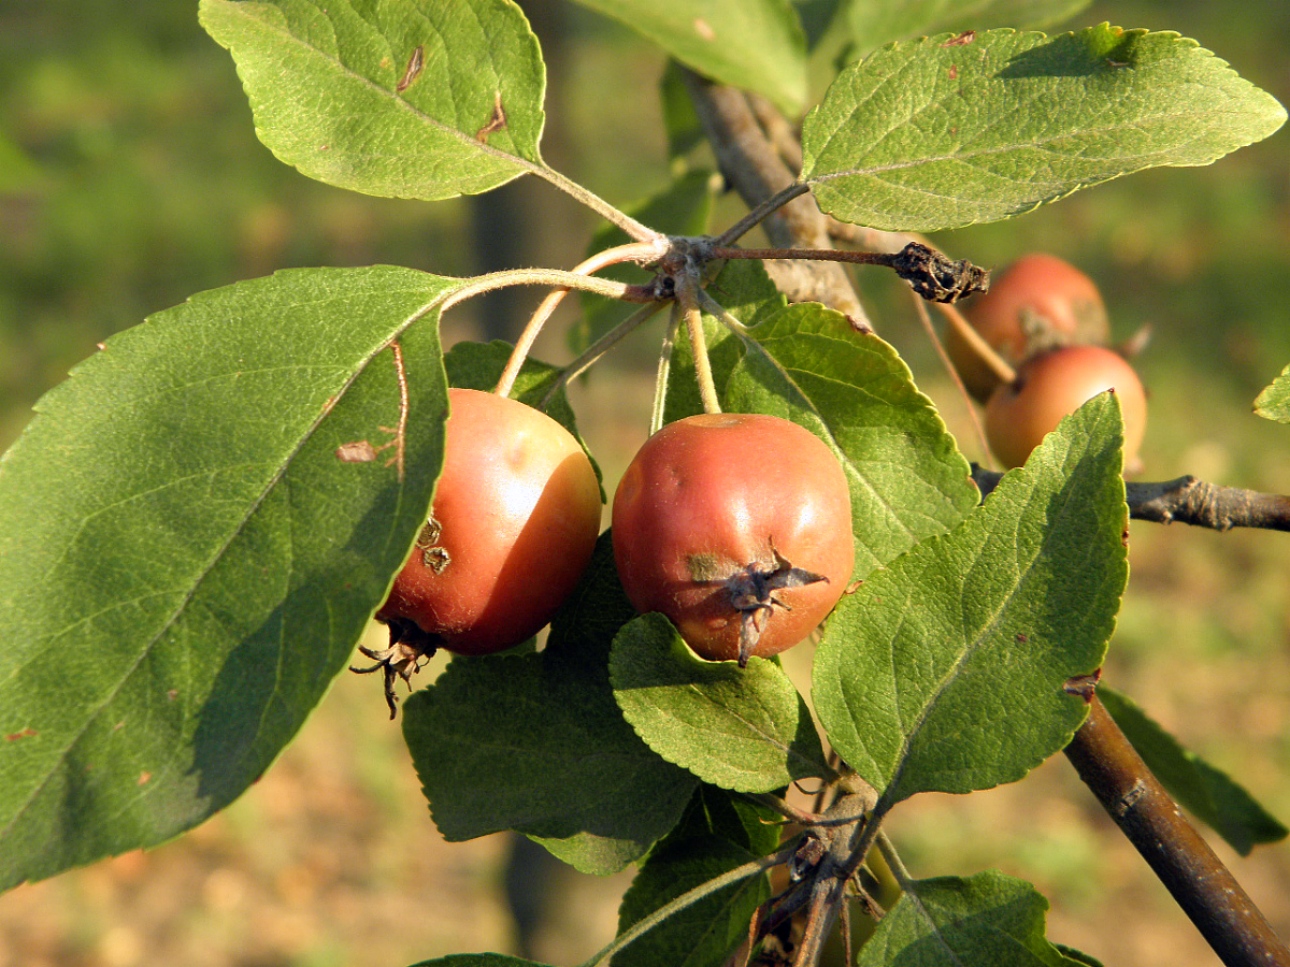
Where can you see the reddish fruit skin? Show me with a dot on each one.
(1054, 384)
(722, 489)
(518, 506)
(1037, 299)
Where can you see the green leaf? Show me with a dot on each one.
(535, 743)
(873, 23)
(1274, 402)
(336, 92)
(745, 729)
(705, 933)
(737, 819)
(922, 136)
(753, 44)
(949, 921)
(682, 208)
(805, 363)
(185, 563)
(945, 672)
(1208, 793)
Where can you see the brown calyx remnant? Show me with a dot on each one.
(752, 591)
(410, 648)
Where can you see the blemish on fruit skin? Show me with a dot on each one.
(27, 733)
(704, 29)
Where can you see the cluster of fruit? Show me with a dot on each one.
(1046, 318)
(745, 556)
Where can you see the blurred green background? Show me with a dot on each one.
(130, 178)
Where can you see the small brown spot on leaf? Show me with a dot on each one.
(360, 451)
(27, 733)
(172, 694)
(118, 727)
(144, 777)
(495, 123)
(1116, 63)
(853, 587)
(962, 40)
(101, 345)
(704, 29)
(413, 70)
(324, 147)
(1022, 639)
(954, 72)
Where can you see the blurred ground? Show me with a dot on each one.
(148, 185)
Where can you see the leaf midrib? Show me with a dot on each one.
(970, 649)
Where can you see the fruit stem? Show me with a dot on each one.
(998, 365)
(686, 290)
(719, 312)
(924, 317)
(632, 252)
(597, 349)
(664, 370)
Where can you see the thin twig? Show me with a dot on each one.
(597, 349)
(998, 365)
(1204, 888)
(1188, 500)
(925, 318)
(632, 252)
